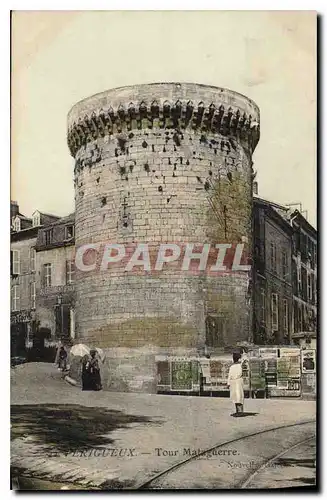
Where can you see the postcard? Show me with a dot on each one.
(163, 268)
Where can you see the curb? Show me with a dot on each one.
(70, 380)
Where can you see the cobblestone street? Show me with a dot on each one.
(118, 440)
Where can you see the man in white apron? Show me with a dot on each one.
(235, 383)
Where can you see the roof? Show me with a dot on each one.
(302, 335)
(23, 234)
(278, 213)
(270, 203)
(64, 220)
(303, 221)
(59, 238)
(23, 217)
(49, 215)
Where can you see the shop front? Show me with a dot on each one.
(20, 332)
(55, 307)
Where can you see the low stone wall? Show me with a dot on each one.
(128, 370)
(75, 369)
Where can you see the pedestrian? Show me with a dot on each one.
(95, 371)
(86, 383)
(62, 358)
(56, 361)
(235, 382)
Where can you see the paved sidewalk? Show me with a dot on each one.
(151, 432)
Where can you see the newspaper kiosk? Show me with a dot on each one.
(178, 375)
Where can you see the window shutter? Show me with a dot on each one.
(58, 318)
(43, 276)
(66, 320)
(16, 262)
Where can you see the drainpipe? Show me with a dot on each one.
(291, 220)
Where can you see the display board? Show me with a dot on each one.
(271, 372)
(181, 375)
(163, 373)
(177, 373)
(268, 352)
(219, 368)
(205, 370)
(289, 369)
(308, 369)
(288, 381)
(257, 375)
(276, 370)
(309, 383)
(215, 372)
(308, 361)
(286, 352)
(246, 374)
(269, 355)
(195, 373)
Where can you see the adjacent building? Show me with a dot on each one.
(304, 275)
(272, 274)
(55, 293)
(24, 232)
(284, 276)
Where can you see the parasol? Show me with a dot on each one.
(82, 350)
(101, 354)
(79, 350)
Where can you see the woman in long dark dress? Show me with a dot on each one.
(86, 384)
(95, 377)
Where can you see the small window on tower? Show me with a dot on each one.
(69, 232)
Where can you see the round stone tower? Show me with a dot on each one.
(166, 163)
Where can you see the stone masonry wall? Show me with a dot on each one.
(154, 164)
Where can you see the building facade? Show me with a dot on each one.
(284, 276)
(272, 274)
(23, 289)
(155, 164)
(24, 233)
(304, 275)
(55, 293)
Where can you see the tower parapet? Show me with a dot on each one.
(162, 105)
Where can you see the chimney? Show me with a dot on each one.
(14, 209)
(255, 187)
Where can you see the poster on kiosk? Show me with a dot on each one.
(289, 370)
(308, 361)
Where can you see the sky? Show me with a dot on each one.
(59, 58)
